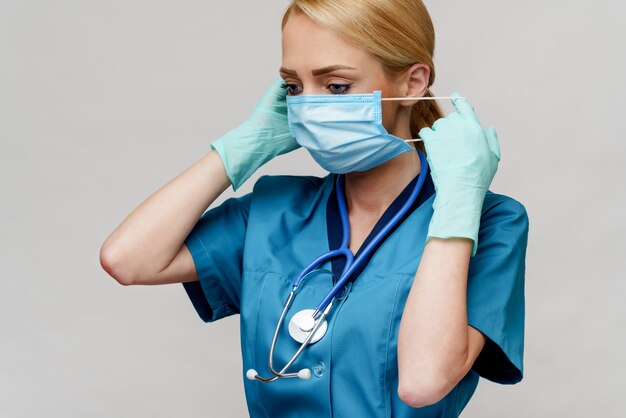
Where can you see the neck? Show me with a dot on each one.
(371, 192)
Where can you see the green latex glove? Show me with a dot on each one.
(463, 160)
(263, 136)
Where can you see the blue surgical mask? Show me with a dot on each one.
(343, 132)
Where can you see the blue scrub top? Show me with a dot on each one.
(248, 250)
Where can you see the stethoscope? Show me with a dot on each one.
(309, 325)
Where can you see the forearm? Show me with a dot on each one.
(151, 235)
(433, 335)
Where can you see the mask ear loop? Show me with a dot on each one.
(420, 98)
(423, 98)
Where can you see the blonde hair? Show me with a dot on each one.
(398, 33)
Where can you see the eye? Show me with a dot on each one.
(290, 88)
(339, 88)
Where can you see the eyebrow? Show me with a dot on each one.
(317, 72)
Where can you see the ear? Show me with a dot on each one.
(415, 82)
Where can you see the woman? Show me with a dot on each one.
(439, 302)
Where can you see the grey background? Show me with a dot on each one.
(103, 102)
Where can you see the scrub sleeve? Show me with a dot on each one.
(216, 245)
(495, 293)
(495, 289)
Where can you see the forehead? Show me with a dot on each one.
(305, 43)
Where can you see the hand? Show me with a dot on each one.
(263, 136)
(463, 160)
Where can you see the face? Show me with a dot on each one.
(318, 60)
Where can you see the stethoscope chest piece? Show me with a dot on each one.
(301, 325)
(309, 325)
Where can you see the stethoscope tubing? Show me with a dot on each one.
(351, 263)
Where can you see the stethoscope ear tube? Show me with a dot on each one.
(318, 316)
(380, 236)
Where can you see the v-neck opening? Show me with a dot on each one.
(334, 228)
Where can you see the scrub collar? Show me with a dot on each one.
(333, 221)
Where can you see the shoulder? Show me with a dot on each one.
(499, 207)
(276, 189)
(504, 227)
(289, 181)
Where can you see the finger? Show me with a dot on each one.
(274, 94)
(276, 88)
(464, 107)
(274, 99)
(437, 123)
(426, 133)
(492, 140)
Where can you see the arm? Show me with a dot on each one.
(436, 346)
(147, 247)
